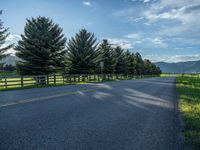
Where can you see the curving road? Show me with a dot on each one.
(121, 115)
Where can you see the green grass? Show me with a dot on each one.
(31, 83)
(8, 73)
(15, 82)
(170, 75)
(188, 87)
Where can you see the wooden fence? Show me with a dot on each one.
(59, 79)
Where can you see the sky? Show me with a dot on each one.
(160, 30)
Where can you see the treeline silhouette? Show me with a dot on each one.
(43, 49)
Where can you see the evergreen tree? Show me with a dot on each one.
(105, 55)
(148, 67)
(130, 58)
(42, 48)
(139, 64)
(121, 63)
(82, 53)
(158, 70)
(3, 35)
(132, 69)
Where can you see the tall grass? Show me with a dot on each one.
(188, 87)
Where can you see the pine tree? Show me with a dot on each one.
(106, 55)
(42, 48)
(121, 64)
(81, 53)
(139, 64)
(148, 67)
(132, 68)
(3, 35)
(130, 58)
(158, 70)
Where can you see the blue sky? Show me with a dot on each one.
(161, 30)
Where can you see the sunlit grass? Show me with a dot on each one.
(15, 82)
(189, 90)
(30, 82)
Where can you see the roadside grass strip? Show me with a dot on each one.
(189, 94)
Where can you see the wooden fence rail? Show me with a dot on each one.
(59, 79)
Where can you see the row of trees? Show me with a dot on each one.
(42, 50)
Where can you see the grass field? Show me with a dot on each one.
(188, 87)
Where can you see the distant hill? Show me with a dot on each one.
(180, 67)
(10, 60)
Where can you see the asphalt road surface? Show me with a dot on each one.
(120, 115)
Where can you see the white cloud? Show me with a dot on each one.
(11, 39)
(87, 3)
(181, 16)
(167, 25)
(172, 58)
(11, 51)
(144, 1)
(125, 44)
(133, 36)
(137, 19)
(184, 14)
(154, 42)
(159, 42)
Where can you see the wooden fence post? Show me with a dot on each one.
(74, 77)
(47, 79)
(54, 79)
(79, 78)
(63, 79)
(6, 82)
(95, 77)
(70, 80)
(22, 81)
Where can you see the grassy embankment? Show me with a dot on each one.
(188, 87)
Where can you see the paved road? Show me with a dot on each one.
(122, 115)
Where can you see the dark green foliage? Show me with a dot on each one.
(132, 64)
(42, 48)
(121, 63)
(83, 58)
(150, 68)
(82, 53)
(130, 58)
(3, 35)
(42, 51)
(139, 64)
(105, 55)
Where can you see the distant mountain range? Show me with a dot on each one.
(180, 67)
